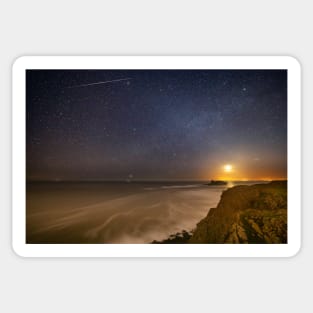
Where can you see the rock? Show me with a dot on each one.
(247, 214)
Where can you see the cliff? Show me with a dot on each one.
(247, 214)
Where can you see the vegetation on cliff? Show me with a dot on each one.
(181, 237)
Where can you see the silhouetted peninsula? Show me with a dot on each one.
(217, 183)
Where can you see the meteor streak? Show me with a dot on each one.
(101, 82)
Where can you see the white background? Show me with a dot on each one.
(164, 28)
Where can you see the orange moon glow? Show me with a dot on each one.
(228, 168)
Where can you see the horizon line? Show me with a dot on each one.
(149, 180)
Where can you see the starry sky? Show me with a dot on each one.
(90, 125)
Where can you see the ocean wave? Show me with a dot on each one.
(180, 186)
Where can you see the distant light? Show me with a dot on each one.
(228, 168)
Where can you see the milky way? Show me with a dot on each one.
(155, 124)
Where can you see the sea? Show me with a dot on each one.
(116, 212)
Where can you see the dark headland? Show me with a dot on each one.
(217, 183)
(245, 214)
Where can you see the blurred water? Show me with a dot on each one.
(115, 212)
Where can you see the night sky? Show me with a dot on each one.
(156, 124)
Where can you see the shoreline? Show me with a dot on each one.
(244, 214)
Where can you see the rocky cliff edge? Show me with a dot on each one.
(247, 214)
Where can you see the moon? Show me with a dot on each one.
(228, 168)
